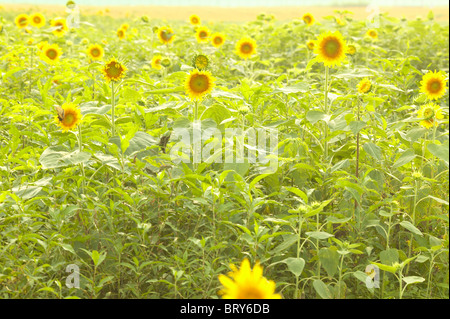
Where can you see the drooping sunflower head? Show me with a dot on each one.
(95, 52)
(202, 34)
(433, 84)
(246, 47)
(22, 20)
(200, 62)
(217, 39)
(68, 117)
(330, 48)
(429, 114)
(60, 25)
(121, 33)
(165, 35)
(194, 19)
(308, 18)
(310, 44)
(51, 53)
(372, 33)
(114, 70)
(198, 84)
(156, 62)
(37, 20)
(364, 86)
(247, 283)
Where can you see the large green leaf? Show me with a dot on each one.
(295, 265)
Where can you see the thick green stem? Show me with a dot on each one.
(326, 113)
(113, 104)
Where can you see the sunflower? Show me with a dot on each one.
(121, 33)
(429, 114)
(308, 18)
(372, 33)
(165, 35)
(202, 34)
(433, 84)
(61, 26)
(194, 19)
(51, 53)
(364, 86)
(95, 52)
(246, 47)
(124, 26)
(217, 39)
(113, 70)
(330, 48)
(37, 20)
(200, 62)
(156, 62)
(247, 283)
(69, 116)
(198, 84)
(339, 21)
(351, 49)
(310, 44)
(84, 41)
(22, 20)
(41, 45)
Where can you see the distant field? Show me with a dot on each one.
(237, 14)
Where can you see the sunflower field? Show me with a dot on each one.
(113, 186)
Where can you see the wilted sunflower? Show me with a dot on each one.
(194, 19)
(308, 18)
(22, 20)
(95, 52)
(310, 44)
(37, 20)
(198, 84)
(61, 26)
(429, 114)
(372, 33)
(121, 33)
(165, 35)
(69, 116)
(217, 39)
(433, 84)
(330, 48)
(51, 53)
(364, 85)
(156, 62)
(202, 34)
(200, 62)
(113, 70)
(246, 47)
(247, 283)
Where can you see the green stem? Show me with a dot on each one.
(113, 104)
(326, 113)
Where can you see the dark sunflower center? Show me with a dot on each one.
(332, 47)
(51, 54)
(194, 20)
(434, 86)
(307, 19)
(23, 21)
(217, 40)
(203, 34)
(250, 293)
(166, 35)
(95, 52)
(114, 69)
(428, 113)
(199, 83)
(69, 118)
(37, 20)
(246, 48)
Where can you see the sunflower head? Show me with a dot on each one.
(156, 62)
(95, 52)
(351, 49)
(165, 35)
(22, 20)
(202, 34)
(37, 20)
(68, 116)
(84, 41)
(372, 33)
(194, 19)
(364, 86)
(310, 44)
(247, 283)
(217, 39)
(121, 33)
(246, 47)
(198, 84)
(166, 62)
(429, 114)
(114, 70)
(60, 25)
(330, 48)
(124, 26)
(200, 62)
(433, 84)
(51, 53)
(145, 19)
(308, 18)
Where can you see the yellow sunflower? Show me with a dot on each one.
(351, 49)
(217, 39)
(37, 20)
(247, 283)
(246, 47)
(308, 18)
(200, 62)
(61, 26)
(69, 116)
(165, 35)
(202, 34)
(22, 20)
(364, 85)
(121, 33)
(84, 41)
(113, 70)
(194, 19)
(430, 114)
(95, 52)
(372, 33)
(330, 48)
(51, 53)
(198, 84)
(124, 26)
(433, 84)
(310, 44)
(156, 62)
